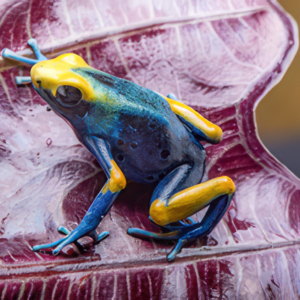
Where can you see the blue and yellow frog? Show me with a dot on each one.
(135, 134)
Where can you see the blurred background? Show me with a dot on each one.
(278, 114)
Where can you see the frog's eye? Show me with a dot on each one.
(68, 95)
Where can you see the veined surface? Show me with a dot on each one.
(221, 57)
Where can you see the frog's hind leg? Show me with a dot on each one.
(214, 214)
(177, 198)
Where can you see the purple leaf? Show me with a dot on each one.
(220, 57)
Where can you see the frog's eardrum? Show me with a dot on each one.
(220, 57)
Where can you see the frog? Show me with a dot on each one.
(136, 134)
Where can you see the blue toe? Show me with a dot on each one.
(176, 250)
(102, 236)
(63, 230)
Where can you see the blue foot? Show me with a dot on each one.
(9, 54)
(22, 80)
(33, 44)
(71, 237)
(173, 235)
(6, 53)
(63, 230)
(102, 236)
(176, 250)
(182, 234)
(140, 233)
(48, 246)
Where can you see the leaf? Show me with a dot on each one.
(221, 57)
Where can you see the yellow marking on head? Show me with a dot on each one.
(212, 131)
(190, 200)
(56, 72)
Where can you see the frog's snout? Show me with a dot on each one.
(36, 75)
(47, 75)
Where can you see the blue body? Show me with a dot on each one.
(145, 137)
(136, 128)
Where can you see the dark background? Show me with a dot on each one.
(278, 114)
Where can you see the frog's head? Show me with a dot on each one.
(80, 94)
(65, 82)
(64, 89)
(72, 88)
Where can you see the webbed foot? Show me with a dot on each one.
(71, 237)
(97, 238)
(9, 54)
(88, 225)
(178, 234)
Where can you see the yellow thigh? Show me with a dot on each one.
(187, 202)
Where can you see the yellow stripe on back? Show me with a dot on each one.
(212, 131)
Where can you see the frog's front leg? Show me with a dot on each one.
(177, 198)
(200, 127)
(89, 223)
(102, 203)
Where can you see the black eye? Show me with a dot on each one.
(68, 95)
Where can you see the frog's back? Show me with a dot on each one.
(126, 96)
(147, 139)
(145, 100)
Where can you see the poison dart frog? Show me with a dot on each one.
(135, 134)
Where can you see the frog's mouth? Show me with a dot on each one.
(74, 106)
(66, 96)
(49, 98)
(46, 95)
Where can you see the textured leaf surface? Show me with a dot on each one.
(220, 57)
